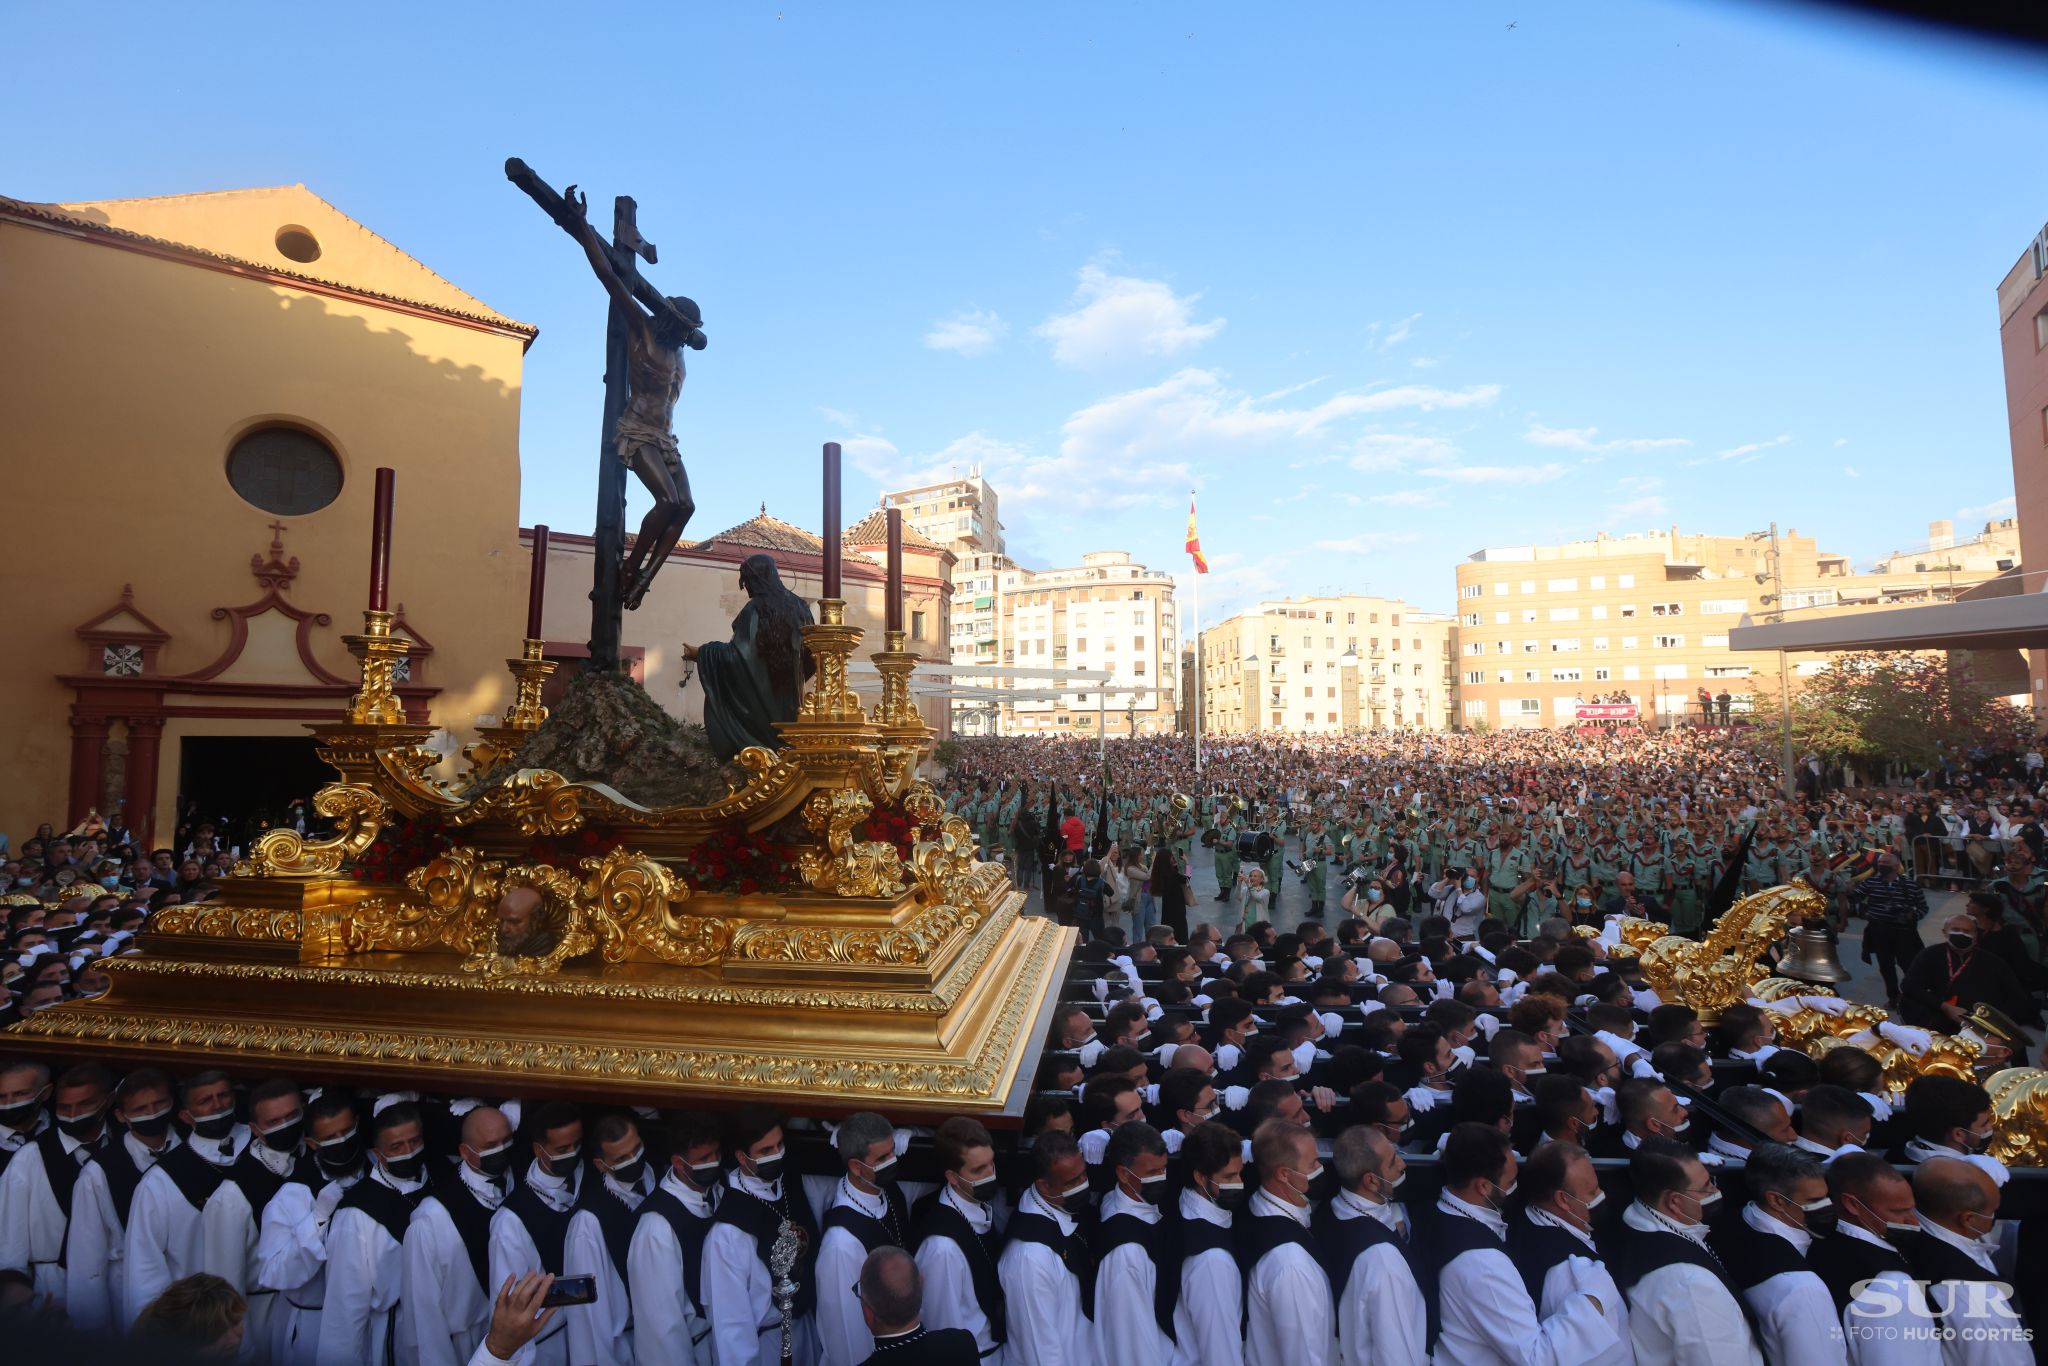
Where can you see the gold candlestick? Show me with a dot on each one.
(378, 651)
(831, 643)
(496, 744)
(896, 710)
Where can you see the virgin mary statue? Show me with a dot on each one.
(757, 678)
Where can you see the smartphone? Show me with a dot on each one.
(571, 1290)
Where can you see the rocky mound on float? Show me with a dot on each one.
(606, 729)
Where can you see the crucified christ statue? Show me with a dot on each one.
(643, 437)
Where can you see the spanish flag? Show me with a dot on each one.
(1195, 540)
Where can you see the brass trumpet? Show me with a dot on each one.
(1183, 802)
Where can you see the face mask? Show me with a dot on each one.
(1372, 894)
(982, 1192)
(151, 1126)
(81, 1126)
(110, 882)
(1229, 1195)
(20, 1116)
(1500, 1200)
(1962, 943)
(1707, 1202)
(284, 1138)
(1585, 901)
(1152, 1189)
(407, 1168)
(1534, 1073)
(1599, 1199)
(1075, 1197)
(1820, 1217)
(768, 1170)
(214, 1126)
(1680, 1127)
(627, 1173)
(1974, 1142)
(24, 882)
(338, 1156)
(1470, 883)
(884, 1174)
(495, 1161)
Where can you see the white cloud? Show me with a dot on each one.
(1650, 505)
(967, 334)
(1394, 333)
(1841, 441)
(1377, 452)
(1119, 318)
(1427, 362)
(1585, 439)
(1750, 450)
(1408, 498)
(1495, 474)
(1852, 471)
(1992, 511)
(840, 418)
(1367, 542)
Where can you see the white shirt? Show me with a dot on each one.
(842, 1329)
(162, 1240)
(1795, 1314)
(1205, 1322)
(1890, 1324)
(601, 1333)
(442, 1310)
(365, 1275)
(96, 1271)
(513, 1254)
(1486, 1313)
(948, 1270)
(739, 1293)
(667, 1329)
(1987, 1331)
(1682, 1313)
(1290, 1320)
(1041, 1298)
(1126, 1329)
(1582, 1275)
(291, 1258)
(1382, 1319)
(32, 1224)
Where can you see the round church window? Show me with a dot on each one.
(285, 471)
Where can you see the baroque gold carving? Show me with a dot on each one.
(360, 814)
(644, 898)
(847, 867)
(911, 944)
(2019, 1112)
(214, 920)
(375, 704)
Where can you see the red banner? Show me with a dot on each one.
(1605, 711)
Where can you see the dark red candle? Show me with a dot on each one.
(832, 565)
(537, 582)
(894, 609)
(380, 543)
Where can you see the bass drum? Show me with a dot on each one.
(1256, 846)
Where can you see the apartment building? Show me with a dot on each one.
(1644, 617)
(960, 514)
(1327, 665)
(2023, 343)
(1108, 613)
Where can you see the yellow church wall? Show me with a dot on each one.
(124, 380)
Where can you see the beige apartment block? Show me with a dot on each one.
(1327, 666)
(1645, 617)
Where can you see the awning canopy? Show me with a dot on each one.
(2016, 622)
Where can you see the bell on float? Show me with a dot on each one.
(1810, 957)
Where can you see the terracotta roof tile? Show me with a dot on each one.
(873, 529)
(764, 532)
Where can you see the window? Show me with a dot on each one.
(1562, 585)
(1630, 673)
(1732, 607)
(1599, 642)
(1671, 671)
(1728, 671)
(1718, 642)
(1528, 615)
(1500, 647)
(1394, 620)
(1469, 619)
(917, 626)
(1081, 645)
(1628, 642)
(1475, 711)
(1602, 675)
(1395, 643)
(1597, 582)
(1528, 585)
(1308, 666)
(1351, 618)
(1528, 647)
(284, 471)
(1500, 589)
(1279, 718)
(1668, 642)
(1599, 614)
(1329, 618)
(1504, 676)
(1628, 611)
(1565, 645)
(1475, 647)
(1667, 609)
(1531, 675)
(1475, 676)
(1138, 668)
(1500, 618)
(1564, 614)
(1625, 581)
(1529, 706)
(1470, 590)
(1564, 675)
(1810, 597)
(1308, 692)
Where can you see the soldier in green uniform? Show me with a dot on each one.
(1315, 875)
(1509, 868)
(1226, 857)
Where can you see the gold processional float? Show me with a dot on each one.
(893, 973)
(1722, 969)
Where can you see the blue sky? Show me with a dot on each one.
(1386, 283)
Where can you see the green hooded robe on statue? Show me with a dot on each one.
(757, 678)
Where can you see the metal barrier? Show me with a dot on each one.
(1961, 861)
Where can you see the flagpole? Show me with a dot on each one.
(1195, 612)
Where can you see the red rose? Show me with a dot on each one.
(748, 886)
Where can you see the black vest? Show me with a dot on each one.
(60, 1168)
(1029, 1226)
(1120, 1229)
(195, 1177)
(259, 1185)
(759, 1220)
(1751, 1257)
(928, 1347)
(1191, 1238)
(1843, 1261)
(1258, 1234)
(1535, 1248)
(614, 1220)
(689, 1231)
(545, 1225)
(1339, 1243)
(873, 1232)
(1451, 1236)
(390, 1208)
(937, 1219)
(1934, 1260)
(123, 1176)
(472, 1220)
(1637, 1254)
